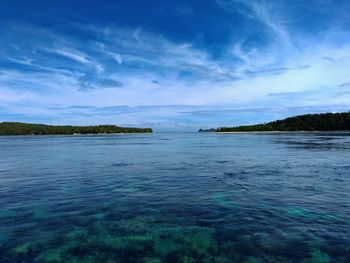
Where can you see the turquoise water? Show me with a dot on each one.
(176, 198)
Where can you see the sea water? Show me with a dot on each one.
(175, 197)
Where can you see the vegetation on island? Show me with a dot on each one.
(18, 128)
(308, 122)
(207, 130)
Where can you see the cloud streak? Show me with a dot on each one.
(77, 56)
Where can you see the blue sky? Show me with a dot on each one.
(172, 65)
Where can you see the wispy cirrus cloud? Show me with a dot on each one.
(76, 56)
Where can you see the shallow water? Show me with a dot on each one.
(175, 198)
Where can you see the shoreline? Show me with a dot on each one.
(257, 132)
(76, 134)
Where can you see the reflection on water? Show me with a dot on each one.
(175, 198)
(318, 141)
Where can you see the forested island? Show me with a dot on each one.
(19, 128)
(308, 122)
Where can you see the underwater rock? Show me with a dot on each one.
(99, 216)
(77, 233)
(165, 247)
(200, 240)
(105, 241)
(135, 225)
(181, 244)
(320, 257)
(222, 260)
(23, 249)
(49, 256)
(317, 256)
(221, 200)
(40, 214)
(152, 260)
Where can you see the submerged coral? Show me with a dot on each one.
(318, 256)
(142, 240)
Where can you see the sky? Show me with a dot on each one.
(172, 65)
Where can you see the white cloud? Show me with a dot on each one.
(136, 33)
(77, 56)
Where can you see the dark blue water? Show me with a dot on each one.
(175, 198)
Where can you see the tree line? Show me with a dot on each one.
(308, 122)
(18, 128)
